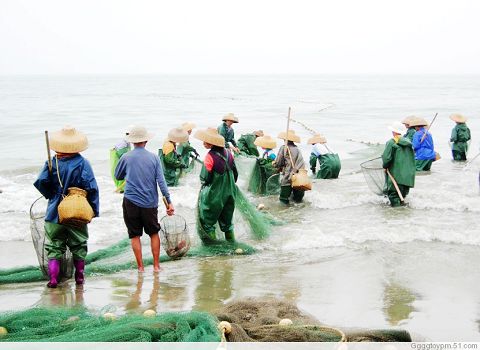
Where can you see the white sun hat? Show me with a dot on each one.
(397, 127)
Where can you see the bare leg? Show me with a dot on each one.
(155, 244)
(137, 251)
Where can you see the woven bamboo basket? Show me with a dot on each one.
(74, 209)
(301, 181)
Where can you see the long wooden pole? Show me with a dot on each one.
(428, 128)
(396, 185)
(48, 152)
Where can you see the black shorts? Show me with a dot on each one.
(138, 219)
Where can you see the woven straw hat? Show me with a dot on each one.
(397, 128)
(265, 141)
(137, 134)
(177, 135)
(68, 140)
(290, 137)
(458, 118)
(211, 136)
(317, 138)
(188, 126)
(258, 133)
(417, 121)
(408, 119)
(230, 117)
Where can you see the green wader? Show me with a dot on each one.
(399, 159)
(216, 203)
(329, 165)
(171, 167)
(247, 146)
(184, 150)
(114, 159)
(423, 165)
(286, 191)
(62, 236)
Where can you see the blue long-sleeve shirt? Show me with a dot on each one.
(74, 171)
(423, 150)
(143, 172)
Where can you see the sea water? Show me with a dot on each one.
(343, 255)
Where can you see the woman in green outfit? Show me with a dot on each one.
(216, 201)
(226, 131)
(171, 160)
(398, 159)
(184, 149)
(264, 167)
(246, 143)
(329, 162)
(460, 137)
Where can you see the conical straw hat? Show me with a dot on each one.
(408, 120)
(137, 134)
(68, 140)
(458, 118)
(211, 136)
(317, 138)
(230, 117)
(188, 126)
(258, 133)
(290, 137)
(418, 122)
(178, 135)
(265, 141)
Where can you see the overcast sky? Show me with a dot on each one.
(243, 36)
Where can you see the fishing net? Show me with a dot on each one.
(258, 320)
(273, 185)
(374, 175)
(262, 172)
(37, 215)
(259, 223)
(175, 232)
(80, 325)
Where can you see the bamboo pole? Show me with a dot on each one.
(48, 152)
(428, 128)
(396, 185)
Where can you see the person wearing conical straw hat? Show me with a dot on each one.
(423, 146)
(68, 169)
(216, 200)
(398, 158)
(410, 129)
(144, 174)
(186, 150)
(116, 153)
(460, 137)
(171, 159)
(329, 161)
(226, 131)
(246, 143)
(283, 163)
(264, 167)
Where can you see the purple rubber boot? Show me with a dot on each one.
(53, 271)
(79, 268)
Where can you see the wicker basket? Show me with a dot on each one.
(301, 181)
(74, 209)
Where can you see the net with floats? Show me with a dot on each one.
(374, 175)
(176, 237)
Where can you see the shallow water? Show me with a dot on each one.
(344, 255)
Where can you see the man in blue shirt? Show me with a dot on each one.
(68, 169)
(422, 143)
(142, 171)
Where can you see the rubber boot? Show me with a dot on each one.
(79, 268)
(230, 236)
(53, 271)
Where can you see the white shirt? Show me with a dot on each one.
(320, 149)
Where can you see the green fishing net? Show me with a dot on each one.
(264, 180)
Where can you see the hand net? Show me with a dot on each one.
(374, 175)
(175, 232)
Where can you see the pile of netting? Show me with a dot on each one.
(374, 175)
(270, 320)
(264, 179)
(80, 325)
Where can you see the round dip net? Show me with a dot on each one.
(374, 175)
(176, 237)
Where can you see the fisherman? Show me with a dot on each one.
(264, 167)
(246, 143)
(216, 201)
(226, 131)
(410, 129)
(289, 161)
(399, 160)
(329, 161)
(171, 159)
(68, 169)
(460, 137)
(184, 149)
(143, 173)
(115, 154)
(422, 145)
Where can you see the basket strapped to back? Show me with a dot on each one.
(374, 175)
(175, 232)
